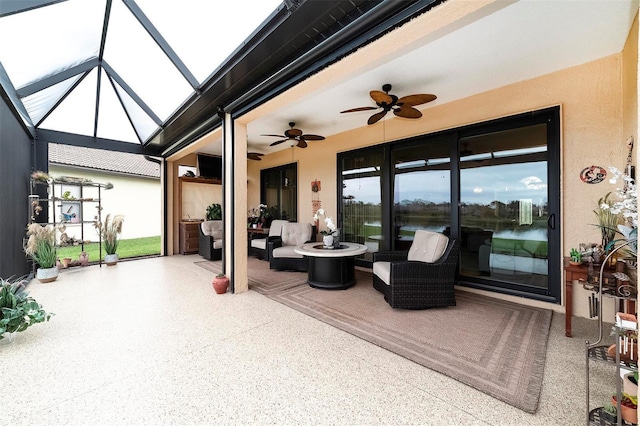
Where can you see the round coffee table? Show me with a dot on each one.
(332, 269)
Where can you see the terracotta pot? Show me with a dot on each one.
(220, 284)
(65, 262)
(47, 275)
(628, 414)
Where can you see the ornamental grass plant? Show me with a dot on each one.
(110, 231)
(41, 245)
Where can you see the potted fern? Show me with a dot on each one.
(110, 231)
(41, 247)
(18, 310)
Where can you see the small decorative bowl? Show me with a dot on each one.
(573, 263)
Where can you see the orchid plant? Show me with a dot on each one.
(625, 207)
(331, 226)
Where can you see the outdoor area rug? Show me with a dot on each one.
(495, 346)
(262, 279)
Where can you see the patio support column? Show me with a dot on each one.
(235, 203)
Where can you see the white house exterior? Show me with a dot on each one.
(136, 191)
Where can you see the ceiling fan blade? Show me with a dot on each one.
(313, 137)
(254, 156)
(412, 100)
(381, 97)
(407, 112)
(369, 108)
(276, 136)
(292, 133)
(376, 117)
(278, 142)
(302, 143)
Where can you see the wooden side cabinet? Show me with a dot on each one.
(189, 237)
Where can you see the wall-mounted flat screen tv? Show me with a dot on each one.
(209, 166)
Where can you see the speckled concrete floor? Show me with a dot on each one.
(149, 342)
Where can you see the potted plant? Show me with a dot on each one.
(220, 283)
(331, 231)
(608, 414)
(214, 212)
(18, 310)
(110, 231)
(41, 247)
(628, 407)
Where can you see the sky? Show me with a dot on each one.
(480, 185)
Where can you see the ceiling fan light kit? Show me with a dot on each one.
(295, 135)
(401, 107)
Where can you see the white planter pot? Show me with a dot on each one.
(111, 259)
(327, 240)
(47, 275)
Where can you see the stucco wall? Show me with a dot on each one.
(137, 198)
(590, 97)
(597, 116)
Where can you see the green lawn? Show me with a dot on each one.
(134, 247)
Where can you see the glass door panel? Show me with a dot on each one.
(278, 190)
(362, 201)
(421, 191)
(504, 206)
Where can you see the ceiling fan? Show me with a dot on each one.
(402, 107)
(296, 135)
(254, 156)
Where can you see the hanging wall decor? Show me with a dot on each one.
(593, 174)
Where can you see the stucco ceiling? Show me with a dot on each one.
(500, 44)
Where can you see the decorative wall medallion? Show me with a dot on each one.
(593, 174)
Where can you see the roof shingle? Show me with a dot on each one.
(121, 162)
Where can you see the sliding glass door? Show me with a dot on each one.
(421, 190)
(494, 186)
(504, 206)
(361, 209)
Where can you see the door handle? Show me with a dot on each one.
(551, 221)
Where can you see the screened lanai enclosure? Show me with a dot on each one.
(150, 78)
(116, 70)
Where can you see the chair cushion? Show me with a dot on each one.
(427, 246)
(295, 234)
(275, 229)
(260, 243)
(286, 251)
(213, 228)
(383, 271)
(218, 244)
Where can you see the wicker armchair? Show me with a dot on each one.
(210, 239)
(281, 254)
(258, 246)
(421, 278)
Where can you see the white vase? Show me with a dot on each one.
(111, 259)
(327, 240)
(47, 275)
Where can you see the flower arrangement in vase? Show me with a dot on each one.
(329, 236)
